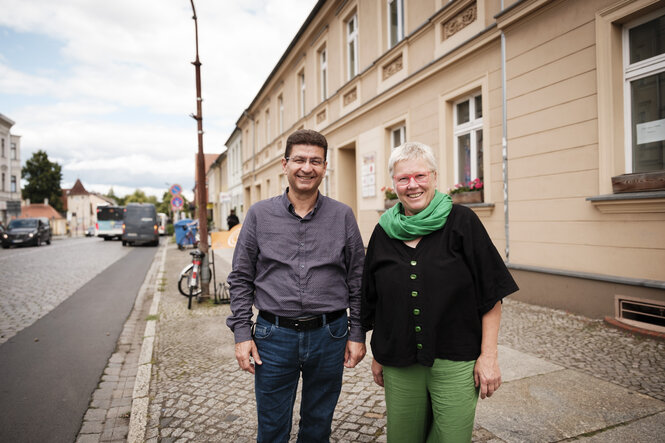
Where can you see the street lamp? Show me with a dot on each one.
(202, 198)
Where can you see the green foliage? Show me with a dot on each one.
(43, 180)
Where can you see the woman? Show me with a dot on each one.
(432, 289)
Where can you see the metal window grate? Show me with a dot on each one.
(647, 314)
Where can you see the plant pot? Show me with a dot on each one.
(639, 182)
(387, 204)
(468, 197)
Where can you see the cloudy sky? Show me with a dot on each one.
(106, 87)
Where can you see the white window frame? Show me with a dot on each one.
(352, 42)
(301, 92)
(632, 72)
(13, 151)
(399, 4)
(280, 106)
(471, 127)
(13, 184)
(401, 132)
(323, 68)
(267, 114)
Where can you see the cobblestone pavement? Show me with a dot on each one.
(591, 346)
(35, 280)
(199, 394)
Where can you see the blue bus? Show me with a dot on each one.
(109, 222)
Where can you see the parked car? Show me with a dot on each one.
(26, 231)
(139, 224)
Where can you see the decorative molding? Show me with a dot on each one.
(393, 67)
(630, 203)
(350, 96)
(321, 116)
(459, 22)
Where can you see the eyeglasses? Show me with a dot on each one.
(317, 162)
(420, 177)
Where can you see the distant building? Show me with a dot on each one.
(218, 201)
(234, 174)
(82, 208)
(10, 170)
(57, 222)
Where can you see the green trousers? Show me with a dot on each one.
(433, 405)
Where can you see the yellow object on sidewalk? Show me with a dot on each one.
(225, 239)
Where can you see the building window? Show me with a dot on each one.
(3, 147)
(280, 107)
(468, 134)
(644, 74)
(397, 136)
(3, 182)
(12, 185)
(323, 73)
(352, 45)
(301, 93)
(13, 151)
(267, 126)
(395, 22)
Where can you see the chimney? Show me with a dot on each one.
(46, 202)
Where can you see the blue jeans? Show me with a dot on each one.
(317, 354)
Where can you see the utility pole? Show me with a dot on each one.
(201, 197)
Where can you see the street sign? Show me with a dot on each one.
(175, 189)
(177, 202)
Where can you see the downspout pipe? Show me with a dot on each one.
(504, 143)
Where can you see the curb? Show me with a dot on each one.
(140, 397)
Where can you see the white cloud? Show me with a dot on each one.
(124, 98)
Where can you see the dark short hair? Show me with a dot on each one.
(306, 137)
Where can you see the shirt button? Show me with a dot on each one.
(302, 244)
(413, 276)
(418, 329)
(302, 266)
(413, 262)
(414, 293)
(419, 346)
(416, 311)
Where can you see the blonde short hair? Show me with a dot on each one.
(412, 151)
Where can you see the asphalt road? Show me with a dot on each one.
(49, 370)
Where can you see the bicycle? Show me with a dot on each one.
(190, 275)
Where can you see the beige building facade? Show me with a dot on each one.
(548, 102)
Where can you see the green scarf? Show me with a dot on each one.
(405, 228)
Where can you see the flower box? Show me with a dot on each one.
(639, 182)
(467, 197)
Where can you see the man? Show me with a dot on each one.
(298, 260)
(232, 219)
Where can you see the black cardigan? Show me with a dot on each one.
(428, 302)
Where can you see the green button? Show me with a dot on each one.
(416, 311)
(413, 262)
(418, 329)
(419, 346)
(414, 293)
(413, 276)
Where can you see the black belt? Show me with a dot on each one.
(302, 324)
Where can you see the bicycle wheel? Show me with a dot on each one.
(183, 283)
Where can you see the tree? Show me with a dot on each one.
(43, 180)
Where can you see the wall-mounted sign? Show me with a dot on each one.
(368, 176)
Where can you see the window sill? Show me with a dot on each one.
(480, 208)
(630, 203)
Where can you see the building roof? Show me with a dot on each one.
(78, 189)
(39, 210)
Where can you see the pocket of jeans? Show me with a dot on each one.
(338, 329)
(262, 331)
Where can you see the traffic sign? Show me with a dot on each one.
(177, 202)
(175, 189)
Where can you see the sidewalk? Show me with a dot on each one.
(565, 377)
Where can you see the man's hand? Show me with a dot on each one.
(244, 351)
(487, 375)
(354, 353)
(377, 372)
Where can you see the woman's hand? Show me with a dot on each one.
(377, 372)
(487, 374)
